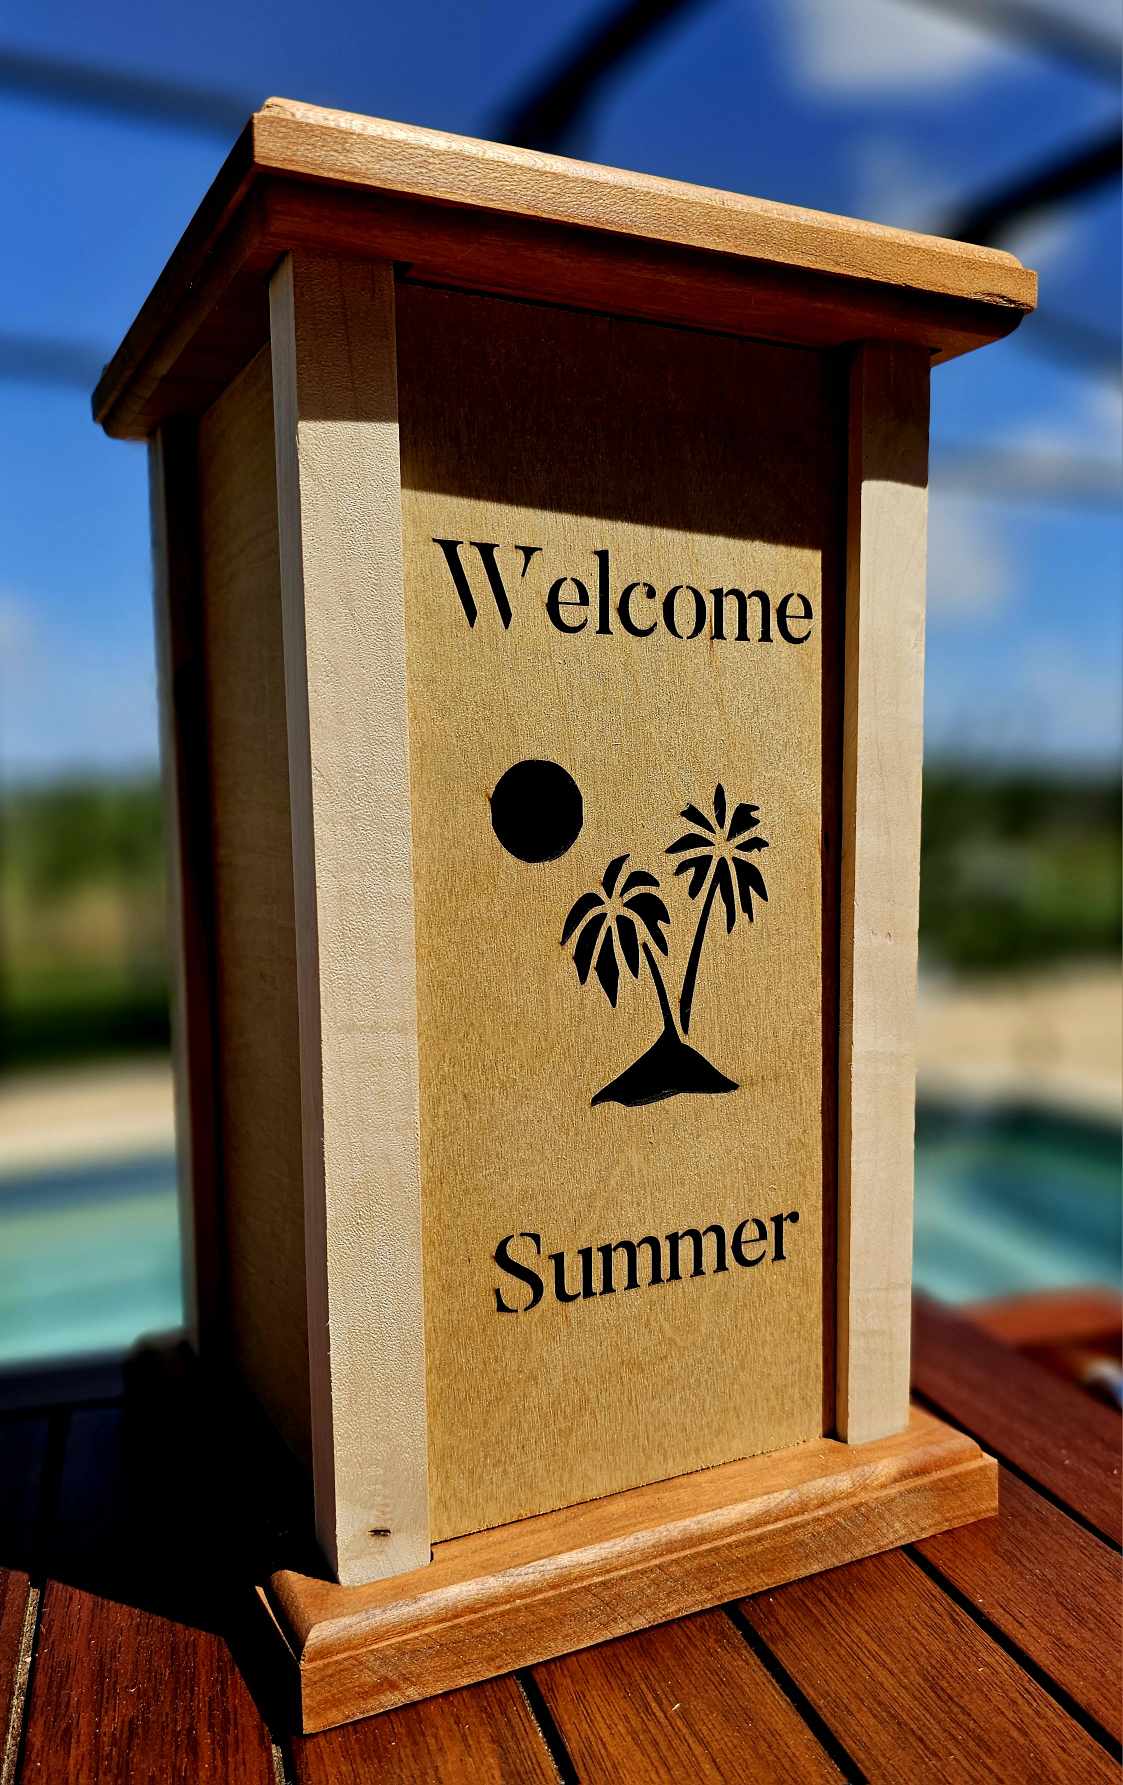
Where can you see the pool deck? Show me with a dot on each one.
(85, 1115)
(1051, 1041)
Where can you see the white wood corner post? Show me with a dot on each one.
(883, 682)
(336, 428)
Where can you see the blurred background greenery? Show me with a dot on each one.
(1018, 870)
(83, 968)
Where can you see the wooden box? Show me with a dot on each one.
(540, 578)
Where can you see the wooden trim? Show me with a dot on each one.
(347, 149)
(529, 225)
(181, 682)
(881, 785)
(546, 1586)
(339, 513)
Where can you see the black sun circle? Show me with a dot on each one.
(536, 811)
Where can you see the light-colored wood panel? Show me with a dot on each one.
(255, 972)
(337, 475)
(882, 749)
(550, 1585)
(685, 460)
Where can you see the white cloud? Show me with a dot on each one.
(1050, 705)
(1093, 427)
(1046, 240)
(67, 702)
(969, 566)
(16, 628)
(1063, 708)
(864, 46)
(894, 185)
(1086, 429)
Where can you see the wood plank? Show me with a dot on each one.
(679, 1703)
(1049, 1430)
(482, 1736)
(342, 608)
(1048, 1585)
(912, 1687)
(23, 1455)
(948, 295)
(256, 1016)
(881, 762)
(535, 1589)
(1051, 1317)
(130, 1679)
(181, 684)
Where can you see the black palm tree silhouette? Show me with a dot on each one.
(630, 921)
(628, 924)
(714, 855)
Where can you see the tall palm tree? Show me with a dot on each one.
(714, 855)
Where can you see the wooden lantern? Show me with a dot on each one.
(540, 582)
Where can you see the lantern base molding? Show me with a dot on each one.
(508, 1598)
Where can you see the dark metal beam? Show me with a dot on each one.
(1053, 32)
(551, 111)
(140, 97)
(986, 219)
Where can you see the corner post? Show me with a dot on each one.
(342, 593)
(881, 779)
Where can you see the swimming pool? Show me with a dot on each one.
(1007, 1200)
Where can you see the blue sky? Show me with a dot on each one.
(881, 108)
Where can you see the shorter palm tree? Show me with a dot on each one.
(609, 926)
(714, 855)
(607, 923)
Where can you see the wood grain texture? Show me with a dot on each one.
(881, 764)
(484, 1736)
(560, 1582)
(345, 148)
(1050, 1430)
(337, 475)
(130, 1680)
(23, 1457)
(560, 1403)
(427, 194)
(181, 684)
(1050, 1587)
(1043, 1317)
(678, 1703)
(254, 931)
(871, 1648)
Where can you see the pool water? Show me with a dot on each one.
(1006, 1201)
(89, 1259)
(1013, 1200)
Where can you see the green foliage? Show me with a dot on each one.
(83, 968)
(73, 834)
(1018, 870)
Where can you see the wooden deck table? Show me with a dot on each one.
(130, 1650)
